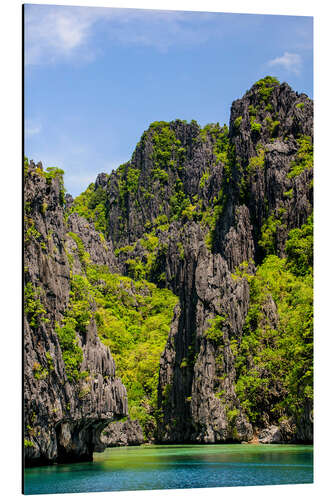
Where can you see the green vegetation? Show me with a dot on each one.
(266, 86)
(165, 142)
(241, 270)
(126, 249)
(300, 105)
(268, 234)
(53, 173)
(280, 379)
(49, 174)
(232, 415)
(255, 127)
(178, 201)
(289, 193)
(133, 320)
(304, 157)
(132, 180)
(84, 256)
(30, 231)
(33, 308)
(168, 152)
(49, 360)
(39, 372)
(222, 148)
(281, 355)
(257, 161)
(91, 204)
(76, 319)
(136, 269)
(273, 126)
(299, 249)
(204, 179)
(71, 352)
(215, 332)
(238, 121)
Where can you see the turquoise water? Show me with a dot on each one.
(176, 466)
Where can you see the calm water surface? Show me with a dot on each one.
(177, 466)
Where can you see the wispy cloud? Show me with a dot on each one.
(290, 62)
(56, 33)
(32, 128)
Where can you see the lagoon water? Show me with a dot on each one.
(152, 467)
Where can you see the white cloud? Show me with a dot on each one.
(57, 33)
(52, 33)
(290, 62)
(31, 128)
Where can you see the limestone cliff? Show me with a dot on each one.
(64, 413)
(204, 212)
(215, 198)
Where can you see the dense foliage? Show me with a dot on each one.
(274, 358)
(91, 204)
(33, 307)
(76, 319)
(133, 320)
(304, 157)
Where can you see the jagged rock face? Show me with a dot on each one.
(242, 179)
(254, 186)
(63, 418)
(267, 185)
(127, 433)
(149, 189)
(193, 371)
(100, 251)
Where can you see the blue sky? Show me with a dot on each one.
(95, 78)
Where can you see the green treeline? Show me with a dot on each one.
(273, 356)
(133, 319)
(274, 362)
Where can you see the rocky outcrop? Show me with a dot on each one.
(63, 417)
(127, 433)
(271, 435)
(197, 378)
(246, 174)
(100, 251)
(195, 208)
(142, 190)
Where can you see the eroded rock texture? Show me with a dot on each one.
(127, 433)
(251, 183)
(189, 395)
(63, 418)
(206, 195)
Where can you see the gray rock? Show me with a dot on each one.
(127, 433)
(197, 382)
(270, 435)
(63, 418)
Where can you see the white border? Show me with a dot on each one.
(10, 124)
